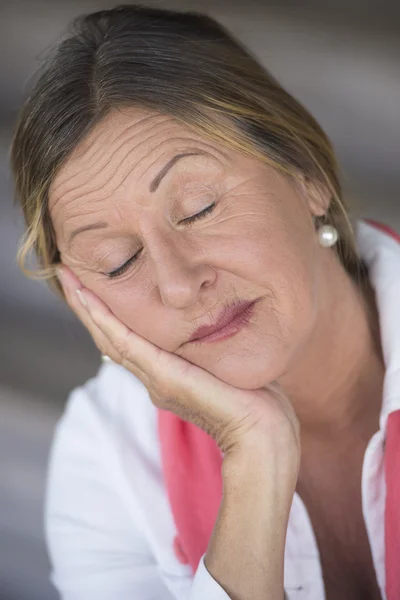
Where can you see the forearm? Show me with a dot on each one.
(246, 551)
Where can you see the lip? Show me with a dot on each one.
(229, 322)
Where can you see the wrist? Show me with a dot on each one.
(262, 464)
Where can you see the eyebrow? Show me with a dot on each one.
(152, 188)
(99, 225)
(157, 180)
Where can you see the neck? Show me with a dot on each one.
(336, 383)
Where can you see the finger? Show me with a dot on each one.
(70, 285)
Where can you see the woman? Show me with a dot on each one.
(241, 442)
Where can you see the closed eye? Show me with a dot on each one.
(123, 268)
(200, 214)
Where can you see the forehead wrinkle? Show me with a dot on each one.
(136, 147)
(86, 145)
(105, 184)
(167, 142)
(74, 158)
(120, 137)
(184, 139)
(144, 158)
(200, 142)
(107, 158)
(76, 217)
(184, 147)
(65, 195)
(68, 224)
(99, 132)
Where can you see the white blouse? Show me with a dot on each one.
(109, 525)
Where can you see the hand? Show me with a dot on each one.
(233, 417)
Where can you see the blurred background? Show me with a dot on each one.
(341, 58)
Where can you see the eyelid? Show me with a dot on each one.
(120, 270)
(200, 214)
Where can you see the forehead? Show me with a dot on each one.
(128, 139)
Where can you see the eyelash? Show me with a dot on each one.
(123, 268)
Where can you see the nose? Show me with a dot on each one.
(179, 270)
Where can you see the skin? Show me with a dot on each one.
(313, 332)
(259, 242)
(186, 274)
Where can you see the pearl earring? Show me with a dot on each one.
(327, 235)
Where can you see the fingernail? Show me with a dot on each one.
(82, 298)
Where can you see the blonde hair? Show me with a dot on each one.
(183, 64)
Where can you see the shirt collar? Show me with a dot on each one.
(381, 254)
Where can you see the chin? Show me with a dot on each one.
(248, 372)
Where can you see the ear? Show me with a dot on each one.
(317, 196)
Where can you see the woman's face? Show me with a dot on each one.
(122, 194)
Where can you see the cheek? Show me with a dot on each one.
(284, 321)
(284, 270)
(135, 308)
(288, 268)
(268, 255)
(131, 308)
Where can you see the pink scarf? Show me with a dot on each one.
(192, 463)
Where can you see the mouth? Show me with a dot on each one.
(232, 320)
